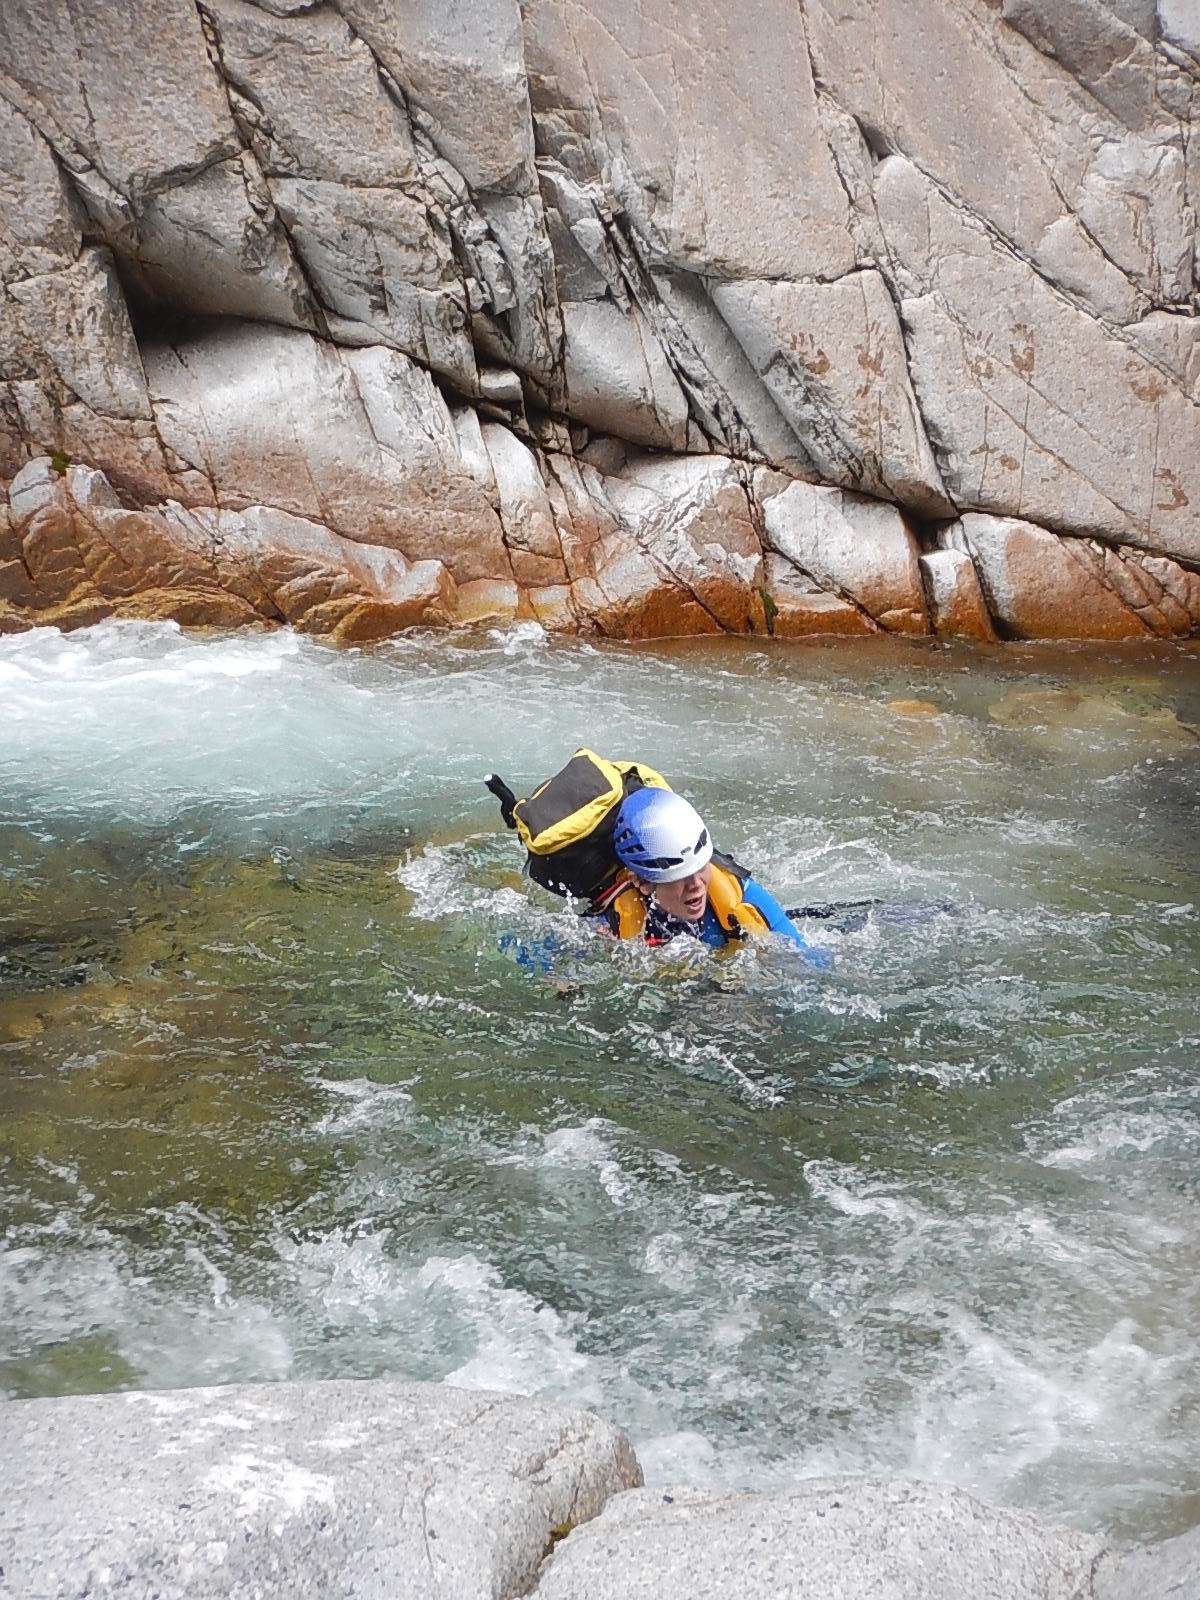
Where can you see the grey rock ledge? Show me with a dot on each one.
(400, 1491)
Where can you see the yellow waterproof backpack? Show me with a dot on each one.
(566, 824)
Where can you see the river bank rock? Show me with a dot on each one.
(453, 285)
(1038, 585)
(856, 1538)
(390, 1491)
(71, 554)
(368, 1489)
(657, 546)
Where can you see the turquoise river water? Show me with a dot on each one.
(279, 1100)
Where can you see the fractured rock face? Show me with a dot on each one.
(856, 549)
(340, 163)
(967, 99)
(799, 606)
(40, 231)
(360, 441)
(131, 85)
(307, 92)
(671, 107)
(406, 284)
(617, 378)
(693, 519)
(319, 582)
(1032, 403)
(957, 607)
(1039, 586)
(383, 271)
(832, 357)
(73, 324)
(214, 245)
(73, 554)
(463, 67)
(71, 375)
(156, 163)
(530, 532)
(658, 546)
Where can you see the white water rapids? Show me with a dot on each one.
(279, 1098)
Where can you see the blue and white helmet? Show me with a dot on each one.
(660, 837)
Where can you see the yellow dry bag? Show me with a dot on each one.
(566, 824)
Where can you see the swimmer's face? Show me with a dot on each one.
(686, 898)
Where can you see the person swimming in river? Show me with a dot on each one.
(676, 883)
(613, 836)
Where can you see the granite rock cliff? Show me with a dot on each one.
(839, 315)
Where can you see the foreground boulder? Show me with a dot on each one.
(858, 1539)
(853, 1539)
(386, 1491)
(378, 1490)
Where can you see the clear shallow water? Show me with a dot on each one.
(276, 1102)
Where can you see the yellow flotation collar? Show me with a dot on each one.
(738, 919)
(627, 909)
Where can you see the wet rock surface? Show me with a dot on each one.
(447, 286)
(856, 1538)
(408, 1490)
(370, 1489)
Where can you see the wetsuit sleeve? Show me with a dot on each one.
(535, 955)
(776, 919)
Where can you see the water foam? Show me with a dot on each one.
(933, 1210)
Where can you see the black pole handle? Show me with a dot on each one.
(829, 908)
(505, 796)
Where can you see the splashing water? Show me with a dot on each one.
(278, 1100)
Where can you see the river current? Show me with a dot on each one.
(282, 1097)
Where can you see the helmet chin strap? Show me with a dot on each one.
(649, 891)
